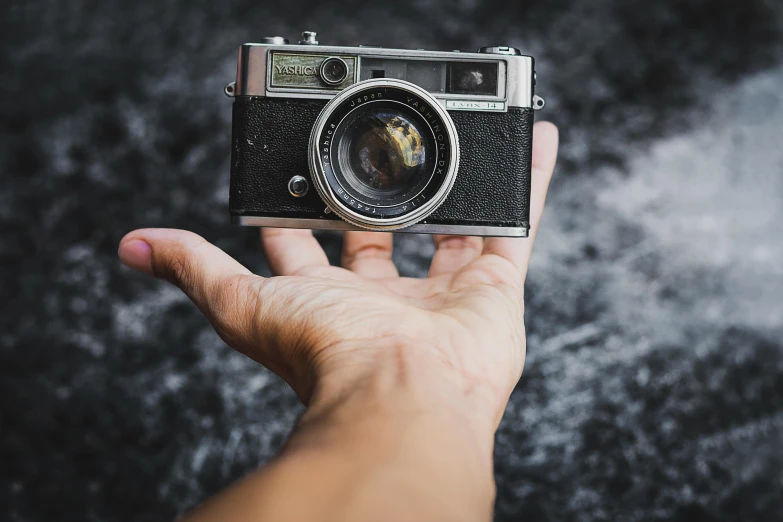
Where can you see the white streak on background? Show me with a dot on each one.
(713, 199)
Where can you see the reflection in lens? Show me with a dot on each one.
(470, 81)
(382, 154)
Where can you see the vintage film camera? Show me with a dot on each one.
(353, 138)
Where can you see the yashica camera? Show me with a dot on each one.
(356, 138)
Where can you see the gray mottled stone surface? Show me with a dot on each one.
(654, 383)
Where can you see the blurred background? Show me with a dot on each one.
(654, 382)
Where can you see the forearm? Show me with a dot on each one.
(380, 449)
(397, 429)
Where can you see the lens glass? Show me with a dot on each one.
(385, 153)
(334, 70)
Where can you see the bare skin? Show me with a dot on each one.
(405, 379)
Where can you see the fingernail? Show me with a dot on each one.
(136, 254)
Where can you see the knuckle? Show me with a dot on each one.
(460, 243)
(180, 265)
(313, 271)
(232, 303)
(223, 300)
(502, 271)
(179, 270)
(375, 244)
(372, 250)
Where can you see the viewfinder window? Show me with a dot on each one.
(473, 78)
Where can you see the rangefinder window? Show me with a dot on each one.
(473, 78)
(429, 75)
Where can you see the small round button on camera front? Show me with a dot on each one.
(333, 71)
(298, 186)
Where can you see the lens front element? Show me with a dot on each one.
(384, 154)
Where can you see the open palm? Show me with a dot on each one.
(314, 323)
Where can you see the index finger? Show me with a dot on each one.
(518, 250)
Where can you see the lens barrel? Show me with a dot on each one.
(384, 154)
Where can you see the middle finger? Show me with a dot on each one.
(369, 254)
(454, 252)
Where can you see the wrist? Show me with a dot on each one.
(393, 415)
(404, 378)
(395, 397)
(432, 462)
(384, 434)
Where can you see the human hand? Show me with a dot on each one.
(456, 337)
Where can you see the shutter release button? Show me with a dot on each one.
(308, 38)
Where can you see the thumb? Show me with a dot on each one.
(213, 280)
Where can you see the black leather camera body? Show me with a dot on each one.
(365, 138)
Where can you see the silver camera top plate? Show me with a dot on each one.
(291, 71)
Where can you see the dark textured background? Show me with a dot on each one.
(654, 383)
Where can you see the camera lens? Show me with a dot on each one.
(333, 71)
(384, 154)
